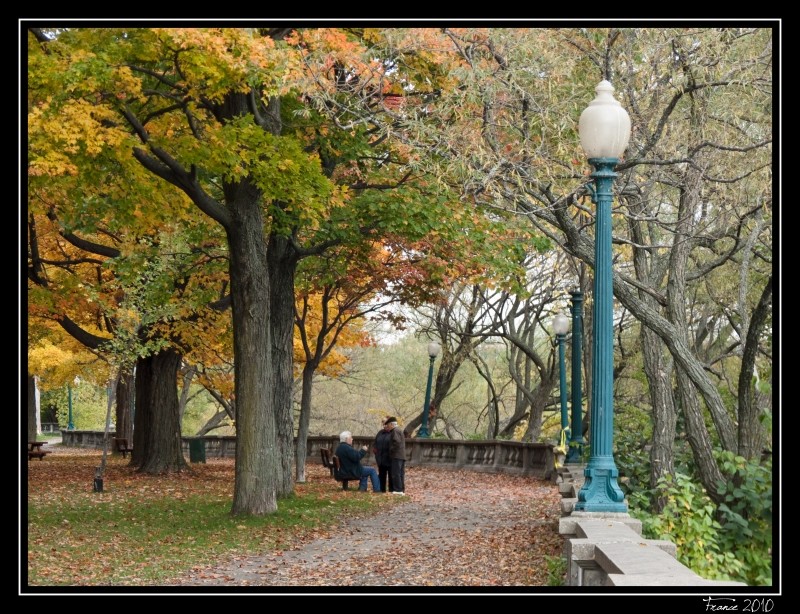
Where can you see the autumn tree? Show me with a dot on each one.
(694, 187)
(125, 270)
(211, 111)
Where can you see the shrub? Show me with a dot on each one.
(688, 520)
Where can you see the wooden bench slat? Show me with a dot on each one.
(122, 446)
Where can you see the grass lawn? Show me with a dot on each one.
(144, 530)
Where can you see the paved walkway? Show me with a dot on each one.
(454, 528)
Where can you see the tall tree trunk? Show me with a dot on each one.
(157, 434)
(257, 451)
(659, 377)
(32, 409)
(519, 361)
(540, 400)
(751, 435)
(258, 463)
(186, 384)
(125, 398)
(282, 264)
(658, 370)
(699, 439)
(305, 419)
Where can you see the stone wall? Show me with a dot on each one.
(513, 457)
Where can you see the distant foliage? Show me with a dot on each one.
(88, 406)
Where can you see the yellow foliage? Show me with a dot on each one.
(58, 360)
(519, 430)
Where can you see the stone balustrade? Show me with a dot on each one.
(86, 439)
(494, 456)
(607, 548)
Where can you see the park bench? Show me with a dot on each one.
(325, 454)
(122, 446)
(331, 461)
(35, 450)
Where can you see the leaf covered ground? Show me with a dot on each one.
(454, 528)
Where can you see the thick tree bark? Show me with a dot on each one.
(282, 263)
(658, 370)
(257, 451)
(699, 439)
(751, 435)
(659, 376)
(32, 413)
(157, 433)
(124, 414)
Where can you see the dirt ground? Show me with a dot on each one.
(453, 528)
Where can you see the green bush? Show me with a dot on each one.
(689, 521)
(746, 515)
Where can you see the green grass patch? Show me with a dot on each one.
(147, 530)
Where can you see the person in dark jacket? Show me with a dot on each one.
(397, 452)
(381, 450)
(350, 461)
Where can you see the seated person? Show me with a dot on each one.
(350, 461)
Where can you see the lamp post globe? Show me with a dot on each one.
(433, 351)
(604, 131)
(560, 328)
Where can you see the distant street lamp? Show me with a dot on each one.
(560, 328)
(604, 131)
(70, 423)
(433, 351)
(576, 441)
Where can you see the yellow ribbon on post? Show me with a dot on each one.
(561, 447)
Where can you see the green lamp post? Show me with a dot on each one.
(560, 328)
(604, 131)
(70, 423)
(433, 351)
(576, 441)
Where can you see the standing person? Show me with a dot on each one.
(397, 452)
(382, 458)
(350, 461)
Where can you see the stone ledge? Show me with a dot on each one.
(662, 580)
(567, 524)
(608, 550)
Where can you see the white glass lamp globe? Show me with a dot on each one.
(605, 126)
(560, 324)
